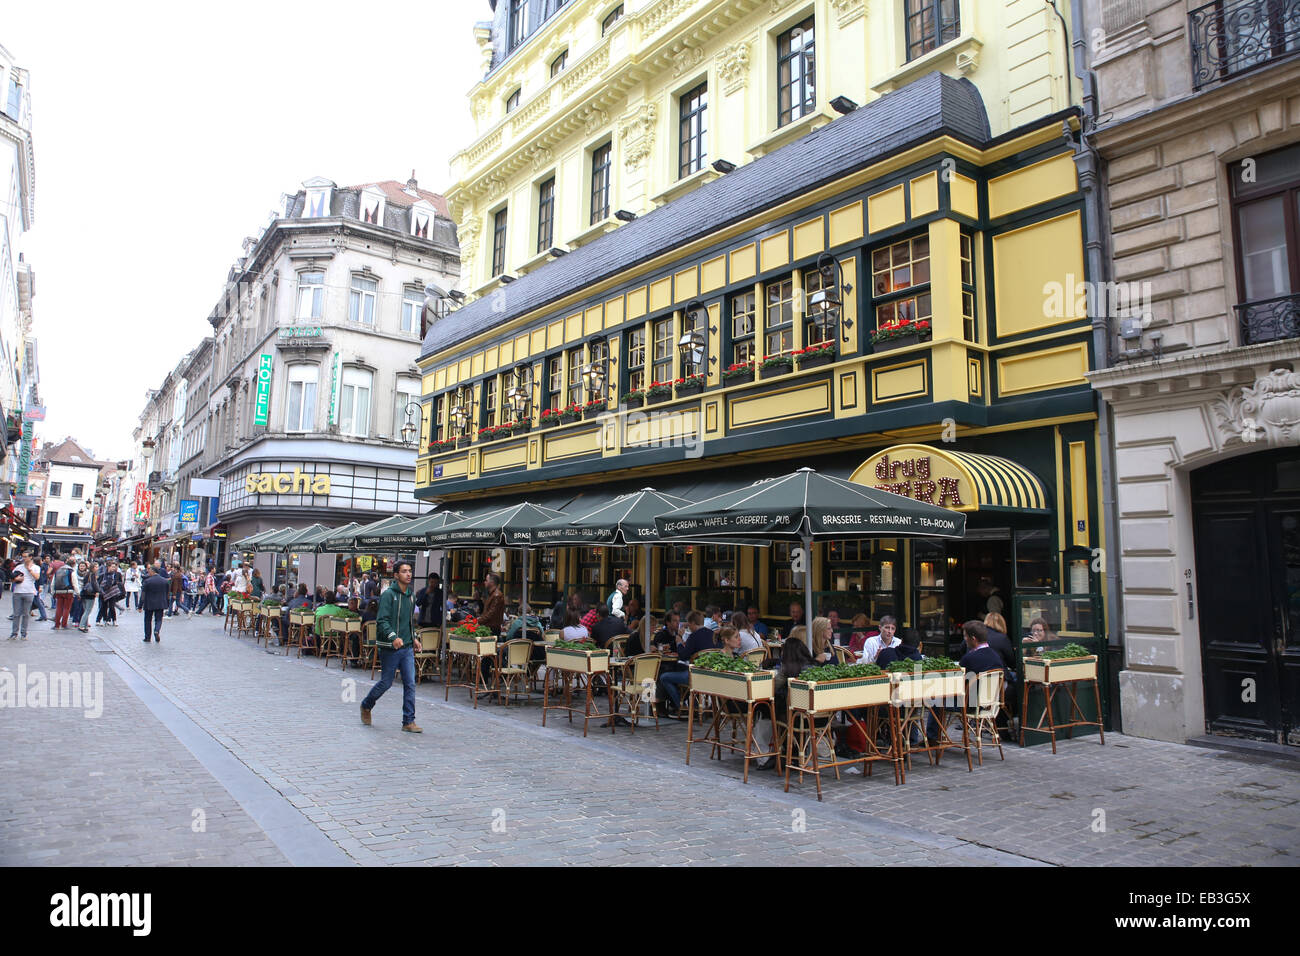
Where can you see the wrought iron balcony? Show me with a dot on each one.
(1268, 320)
(1229, 37)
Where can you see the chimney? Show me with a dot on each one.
(411, 183)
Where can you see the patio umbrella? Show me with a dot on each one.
(345, 539)
(515, 526)
(252, 539)
(274, 543)
(804, 506)
(378, 536)
(315, 542)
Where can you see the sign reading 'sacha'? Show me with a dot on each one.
(298, 483)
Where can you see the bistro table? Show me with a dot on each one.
(817, 703)
(465, 656)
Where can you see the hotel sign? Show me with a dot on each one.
(301, 336)
(297, 483)
(262, 404)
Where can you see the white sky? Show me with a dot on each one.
(164, 134)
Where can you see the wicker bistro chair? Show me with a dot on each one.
(513, 674)
(428, 660)
(232, 616)
(843, 655)
(353, 628)
(331, 642)
(640, 677)
(756, 656)
(984, 701)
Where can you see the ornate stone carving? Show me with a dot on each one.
(657, 17)
(539, 157)
(686, 57)
(733, 66)
(467, 234)
(1270, 409)
(849, 10)
(637, 132)
(593, 118)
(779, 5)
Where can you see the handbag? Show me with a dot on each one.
(111, 593)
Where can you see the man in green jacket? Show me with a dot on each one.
(397, 646)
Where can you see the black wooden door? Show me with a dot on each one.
(1248, 581)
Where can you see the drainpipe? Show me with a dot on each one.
(1093, 186)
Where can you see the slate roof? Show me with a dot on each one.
(345, 202)
(933, 105)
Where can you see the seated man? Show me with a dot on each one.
(300, 600)
(607, 626)
(326, 610)
(979, 657)
(523, 620)
(702, 638)
(755, 625)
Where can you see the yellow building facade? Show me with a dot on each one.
(889, 289)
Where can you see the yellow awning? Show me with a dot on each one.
(960, 480)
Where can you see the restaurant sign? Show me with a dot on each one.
(297, 483)
(929, 478)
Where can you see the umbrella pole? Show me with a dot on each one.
(807, 588)
(645, 611)
(523, 600)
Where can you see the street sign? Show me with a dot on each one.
(262, 405)
(34, 413)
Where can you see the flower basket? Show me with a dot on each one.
(823, 696)
(776, 365)
(690, 385)
(473, 646)
(658, 392)
(911, 688)
(739, 374)
(757, 685)
(437, 447)
(1061, 669)
(901, 335)
(815, 355)
(594, 409)
(634, 399)
(594, 661)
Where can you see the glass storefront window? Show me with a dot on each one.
(1033, 560)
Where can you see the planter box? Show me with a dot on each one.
(1061, 670)
(831, 695)
(589, 413)
(755, 686)
(549, 423)
(684, 390)
(634, 401)
(579, 662)
(657, 399)
(911, 689)
(744, 379)
(817, 360)
(898, 343)
(776, 370)
(475, 646)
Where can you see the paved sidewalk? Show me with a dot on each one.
(492, 786)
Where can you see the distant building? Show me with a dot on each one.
(70, 504)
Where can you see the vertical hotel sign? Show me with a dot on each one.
(262, 405)
(334, 390)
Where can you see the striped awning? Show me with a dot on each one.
(960, 480)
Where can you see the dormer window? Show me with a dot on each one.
(422, 216)
(372, 207)
(512, 101)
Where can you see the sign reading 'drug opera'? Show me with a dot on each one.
(298, 483)
(262, 405)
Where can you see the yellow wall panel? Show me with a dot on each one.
(898, 381)
(507, 354)
(661, 294)
(452, 376)
(636, 303)
(476, 365)
(566, 446)
(573, 328)
(1028, 261)
(659, 428)
(886, 209)
(491, 359)
(846, 224)
(1032, 185)
(744, 265)
(439, 380)
(522, 351)
(809, 238)
(1079, 492)
(455, 468)
(1035, 371)
(555, 335)
(975, 376)
(421, 475)
(428, 384)
(963, 196)
(614, 312)
(776, 406)
(593, 320)
(504, 458)
(925, 194)
(686, 285)
(462, 370)
(775, 250)
(713, 274)
(537, 342)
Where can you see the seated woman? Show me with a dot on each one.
(800, 634)
(573, 629)
(862, 629)
(795, 658)
(1039, 632)
(821, 641)
(749, 640)
(642, 635)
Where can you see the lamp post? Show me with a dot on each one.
(826, 304)
(410, 431)
(596, 373)
(693, 346)
(519, 397)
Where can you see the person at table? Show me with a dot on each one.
(1039, 632)
(632, 612)
(729, 640)
(702, 638)
(607, 626)
(636, 643)
(821, 641)
(713, 618)
(525, 626)
(574, 629)
(906, 648)
(428, 603)
(749, 639)
(995, 627)
(324, 612)
(665, 639)
(588, 616)
(796, 615)
(862, 629)
(563, 605)
(494, 604)
(755, 625)
(300, 601)
(837, 632)
(886, 638)
(979, 656)
(795, 659)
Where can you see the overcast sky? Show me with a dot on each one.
(165, 134)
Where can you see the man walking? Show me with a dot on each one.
(397, 647)
(23, 579)
(155, 602)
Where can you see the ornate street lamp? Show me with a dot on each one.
(596, 373)
(693, 346)
(519, 396)
(826, 304)
(410, 430)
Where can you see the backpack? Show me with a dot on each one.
(63, 579)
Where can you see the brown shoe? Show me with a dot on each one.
(412, 728)
(365, 715)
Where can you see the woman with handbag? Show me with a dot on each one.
(111, 590)
(88, 592)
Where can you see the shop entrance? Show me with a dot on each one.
(1247, 517)
(957, 581)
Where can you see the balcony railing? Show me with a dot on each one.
(1268, 320)
(1229, 37)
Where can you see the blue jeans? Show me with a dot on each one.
(22, 604)
(39, 605)
(673, 683)
(390, 661)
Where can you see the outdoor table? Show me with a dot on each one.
(747, 689)
(467, 653)
(562, 669)
(811, 711)
(1054, 675)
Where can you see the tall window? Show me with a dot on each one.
(437, 427)
(300, 407)
(554, 380)
(354, 402)
(74, 519)
(412, 307)
(512, 101)
(559, 63)
(408, 391)
(78, 491)
(742, 328)
(636, 359)
(1267, 214)
(611, 18)
(969, 330)
(56, 489)
(499, 243)
(361, 302)
(930, 24)
(600, 163)
(692, 150)
(311, 295)
(778, 324)
(518, 22)
(51, 518)
(900, 282)
(575, 361)
(796, 92)
(490, 401)
(546, 215)
(662, 367)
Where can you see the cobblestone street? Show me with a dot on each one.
(269, 755)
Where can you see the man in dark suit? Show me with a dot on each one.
(979, 656)
(155, 598)
(607, 626)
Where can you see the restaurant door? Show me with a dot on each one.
(1247, 518)
(957, 581)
